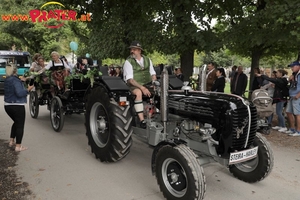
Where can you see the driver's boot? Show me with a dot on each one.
(143, 124)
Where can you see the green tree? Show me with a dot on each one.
(170, 27)
(259, 28)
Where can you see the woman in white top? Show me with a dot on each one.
(60, 70)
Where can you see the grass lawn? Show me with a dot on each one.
(227, 88)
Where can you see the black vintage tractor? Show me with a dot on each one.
(186, 129)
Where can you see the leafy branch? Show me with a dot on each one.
(91, 74)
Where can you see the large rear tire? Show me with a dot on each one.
(108, 126)
(179, 173)
(56, 114)
(34, 104)
(258, 168)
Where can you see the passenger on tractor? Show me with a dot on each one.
(137, 71)
(82, 65)
(38, 65)
(66, 61)
(35, 65)
(60, 70)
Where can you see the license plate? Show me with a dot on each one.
(242, 156)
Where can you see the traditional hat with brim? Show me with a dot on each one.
(136, 44)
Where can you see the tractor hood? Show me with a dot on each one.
(204, 106)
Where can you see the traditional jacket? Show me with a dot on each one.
(140, 74)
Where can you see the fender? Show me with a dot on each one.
(114, 86)
(114, 83)
(170, 142)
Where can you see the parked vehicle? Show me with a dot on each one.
(21, 59)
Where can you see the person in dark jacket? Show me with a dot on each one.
(239, 82)
(257, 81)
(278, 98)
(118, 71)
(219, 83)
(15, 98)
(178, 73)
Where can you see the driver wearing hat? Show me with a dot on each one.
(138, 70)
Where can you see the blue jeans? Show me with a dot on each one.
(279, 110)
(270, 119)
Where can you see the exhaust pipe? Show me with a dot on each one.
(164, 97)
(202, 78)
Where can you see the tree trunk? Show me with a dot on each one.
(187, 63)
(255, 58)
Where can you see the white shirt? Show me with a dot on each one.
(128, 71)
(50, 64)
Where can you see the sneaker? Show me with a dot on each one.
(276, 127)
(283, 129)
(143, 124)
(289, 132)
(295, 134)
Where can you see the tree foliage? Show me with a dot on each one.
(256, 29)
(170, 27)
(261, 28)
(33, 37)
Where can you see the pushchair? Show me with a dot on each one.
(263, 103)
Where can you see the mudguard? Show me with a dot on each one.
(114, 83)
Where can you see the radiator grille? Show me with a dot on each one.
(191, 106)
(239, 119)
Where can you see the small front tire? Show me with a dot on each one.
(258, 168)
(179, 173)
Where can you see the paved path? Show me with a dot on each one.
(60, 166)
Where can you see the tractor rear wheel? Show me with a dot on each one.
(108, 126)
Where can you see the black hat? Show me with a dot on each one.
(136, 44)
